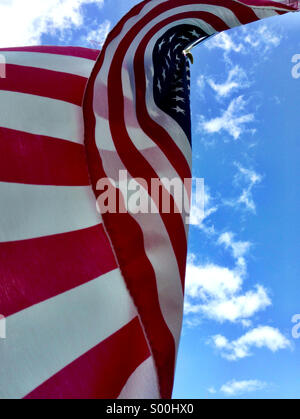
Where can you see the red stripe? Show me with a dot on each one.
(135, 163)
(103, 371)
(101, 107)
(35, 270)
(127, 239)
(89, 54)
(40, 160)
(37, 81)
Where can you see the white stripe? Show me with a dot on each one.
(105, 141)
(161, 255)
(160, 252)
(154, 156)
(55, 62)
(159, 162)
(28, 211)
(142, 384)
(45, 338)
(254, 7)
(264, 13)
(42, 116)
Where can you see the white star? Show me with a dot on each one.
(171, 38)
(177, 67)
(164, 74)
(194, 33)
(161, 44)
(184, 38)
(188, 78)
(179, 99)
(167, 62)
(177, 46)
(159, 86)
(179, 110)
(177, 58)
(169, 54)
(178, 89)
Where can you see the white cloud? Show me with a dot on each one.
(236, 388)
(98, 36)
(212, 390)
(198, 217)
(233, 120)
(24, 22)
(246, 39)
(260, 337)
(262, 38)
(251, 178)
(249, 174)
(225, 42)
(201, 81)
(215, 292)
(238, 307)
(236, 79)
(211, 282)
(239, 249)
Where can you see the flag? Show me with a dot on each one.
(93, 299)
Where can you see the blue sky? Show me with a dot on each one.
(243, 269)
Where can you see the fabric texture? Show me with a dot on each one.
(93, 302)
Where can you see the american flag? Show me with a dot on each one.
(93, 303)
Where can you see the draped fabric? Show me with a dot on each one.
(93, 299)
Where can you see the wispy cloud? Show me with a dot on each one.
(238, 388)
(233, 120)
(260, 337)
(249, 178)
(225, 42)
(212, 390)
(96, 37)
(245, 40)
(198, 218)
(262, 38)
(236, 79)
(238, 248)
(32, 18)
